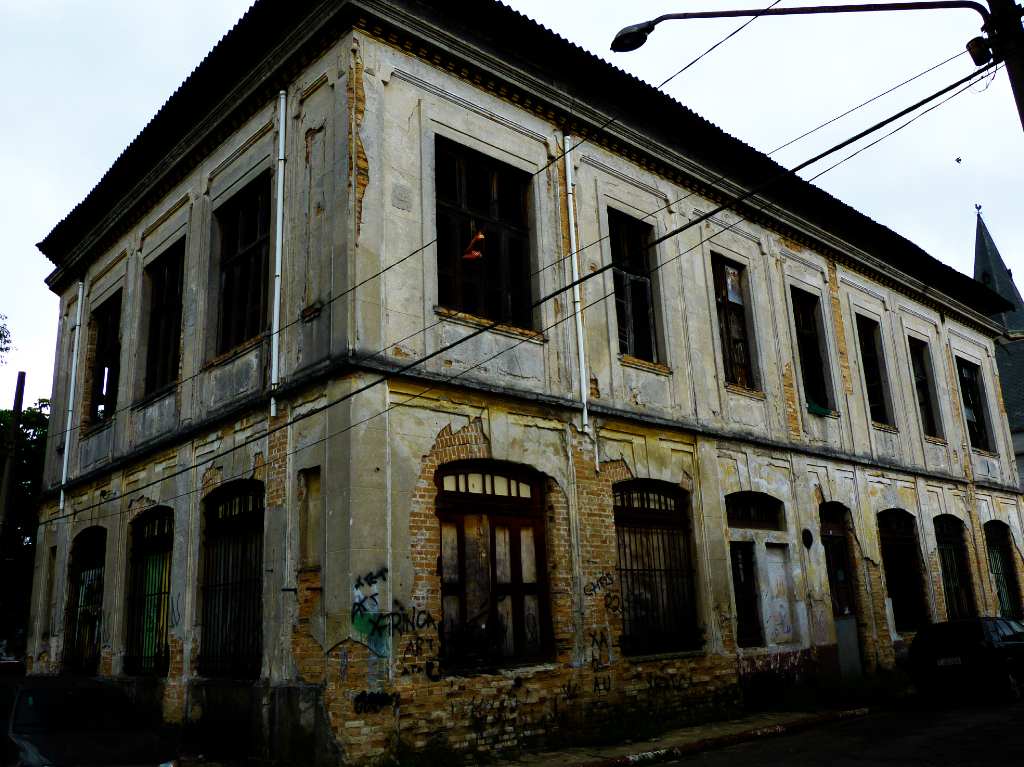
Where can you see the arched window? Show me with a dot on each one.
(655, 568)
(149, 583)
(84, 625)
(1000, 562)
(956, 573)
(756, 511)
(493, 572)
(901, 559)
(232, 628)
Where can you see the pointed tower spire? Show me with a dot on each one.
(990, 270)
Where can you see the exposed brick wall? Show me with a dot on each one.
(840, 327)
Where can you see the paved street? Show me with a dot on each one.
(991, 735)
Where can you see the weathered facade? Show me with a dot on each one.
(440, 532)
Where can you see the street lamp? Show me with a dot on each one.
(1003, 39)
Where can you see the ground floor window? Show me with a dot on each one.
(749, 631)
(149, 583)
(232, 577)
(84, 625)
(1001, 563)
(901, 560)
(956, 573)
(494, 600)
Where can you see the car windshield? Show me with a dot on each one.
(63, 710)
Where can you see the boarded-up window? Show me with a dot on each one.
(483, 236)
(749, 631)
(105, 331)
(163, 341)
(655, 567)
(733, 328)
(84, 624)
(811, 349)
(493, 574)
(243, 224)
(956, 573)
(1001, 564)
(921, 362)
(872, 359)
(778, 596)
(149, 585)
(232, 628)
(901, 559)
(634, 299)
(972, 396)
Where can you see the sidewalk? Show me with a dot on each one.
(687, 740)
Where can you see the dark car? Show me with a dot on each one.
(975, 655)
(68, 722)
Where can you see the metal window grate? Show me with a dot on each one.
(1000, 560)
(149, 593)
(655, 568)
(232, 628)
(84, 628)
(956, 574)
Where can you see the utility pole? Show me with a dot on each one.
(1007, 38)
(12, 442)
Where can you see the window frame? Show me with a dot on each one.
(82, 642)
(494, 276)
(629, 241)
(980, 410)
(875, 343)
(955, 560)
(1007, 588)
(812, 353)
(105, 339)
(924, 379)
(143, 594)
(733, 370)
(749, 621)
(164, 278)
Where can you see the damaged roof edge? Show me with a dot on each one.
(553, 62)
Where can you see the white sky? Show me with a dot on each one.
(82, 77)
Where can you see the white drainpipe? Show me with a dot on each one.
(69, 413)
(580, 343)
(275, 330)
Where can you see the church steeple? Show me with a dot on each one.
(990, 270)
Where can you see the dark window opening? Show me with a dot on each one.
(655, 568)
(730, 300)
(1004, 573)
(901, 560)
(755, 511)
(956, 572)
(920, 361)
(149, 585)
(232, 614)
(749, 631)
(83, 629)
(494, 598)
(810, 348)
(842, 580)
(105, 370)
(483, 236)
(974, 404)
(243, 223)
(872, 358)
(163, 341)
(634, 297)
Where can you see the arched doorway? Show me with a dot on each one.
(834, 519)
(84, 628)
(901, 560)
(956, 572)
(1001, 564)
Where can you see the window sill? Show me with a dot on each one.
(655, 657)
(745, 392)
(159, 394)
(822, 412)
(234, 352)
(658, 368)
(936, 440)
(884, 427)
(984, 453)
(473, 321)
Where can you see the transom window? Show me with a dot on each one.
(634, 298)
(494, 601)
(483, 236)
(655, 567)
(756, 511)
(733, 328)
(152, 539)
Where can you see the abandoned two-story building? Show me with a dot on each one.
(385, 408)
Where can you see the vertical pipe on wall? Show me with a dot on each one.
(68, 414)
(571, 205)
(275, 330)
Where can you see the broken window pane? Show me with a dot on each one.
(634, 300)
(730, 302)
(974, 404)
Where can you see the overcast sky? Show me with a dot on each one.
(82, 78)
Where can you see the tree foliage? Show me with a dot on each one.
(5, 339)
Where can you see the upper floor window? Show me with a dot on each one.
(494, 607)
(483, 236)
(811, 349)
(104, 360)
(243, 225)
(163, 341)
(921, 362)
(972, 396)
(733, 323)
(634, 300)
(872, 357)
(655, 567)
(149, 587)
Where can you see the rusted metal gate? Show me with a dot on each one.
(84, 627)
(149, 593)
(232, 628)
(1000, 561)
(956, 574)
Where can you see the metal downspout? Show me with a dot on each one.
(275, 330)
(580, 345)
(68, 414)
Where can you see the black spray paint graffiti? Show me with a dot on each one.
(400, 621)
(368, 702)
(603, 585)
(371, 578)
(602, 684)
(666, 682)
(412, 660)
(600, 650)
(174, 608)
